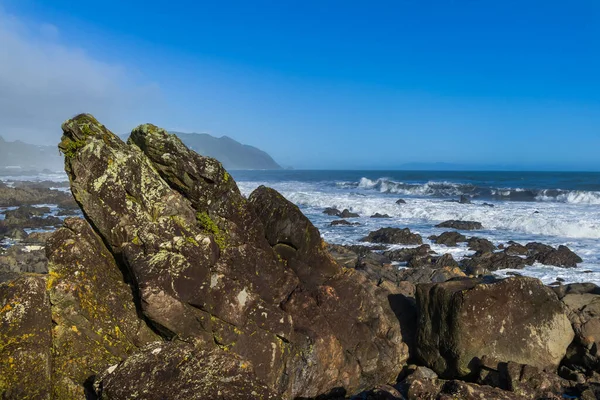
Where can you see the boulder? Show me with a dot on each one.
(24, 257)
(480, 245)
(347, 214)
(524, 323)
(516, 249)
(560, 257)
(206, 266)
(334, 212)
(343, 222)
(460, 225)
(405, 254)
(430, 275)
(400, 201)
(25, 339)
(393, 236)
(494, 261)
(200, 374)
(377, 215)
(449, 238)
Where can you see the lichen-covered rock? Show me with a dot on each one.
(515, 319)
(210, 267)
(95, 318)
(200, 375)
(25, 339)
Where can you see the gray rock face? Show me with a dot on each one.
(524, 322)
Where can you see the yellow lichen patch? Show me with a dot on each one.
(6, 308)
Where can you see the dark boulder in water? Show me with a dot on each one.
(343, 222)
(347, 214)
(393, 236)
(460, 225)
(560, 257)
(400, 201)
(515, 319)
(480, 245)
(449, 238)
(377, 215)
(405, 254)
(494, 261)
(334, 212)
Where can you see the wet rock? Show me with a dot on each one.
(524, 323)
(400, 201)
(464, 200)
(560, 257)
(95, 318)
(347, 214)
(487, 204)
(25, 339)
(494, 261)
(201, 375)
(377, 215)
(449, 238)
(516, 249)
(430, 275)
(343, 222)
(334, 212)
(393, 236)
(460, 225)
(480, 245)
(405, 254)
(16, 233)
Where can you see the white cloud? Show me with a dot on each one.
(43, 82)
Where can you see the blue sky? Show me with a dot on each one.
(328, 84)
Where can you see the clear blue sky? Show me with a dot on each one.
(328, 84)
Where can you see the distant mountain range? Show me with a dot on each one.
(233, 154)
(18, 156)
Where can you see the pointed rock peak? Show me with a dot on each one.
(78, 130)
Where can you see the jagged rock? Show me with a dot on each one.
(494, 261)
(480, 245)
(377, 215)
(449, 238)
(460, 225)
(347, 214)
(25, 339)
(524, 323)
(405, 254)
(94, 313)
(200, 374)
(393, 236)
(334, 212)
(210, 267)
(561, 257)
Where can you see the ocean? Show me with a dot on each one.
(550, 207)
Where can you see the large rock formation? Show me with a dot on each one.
(209, 267)
(515, 319)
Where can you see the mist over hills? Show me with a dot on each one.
(20, 156)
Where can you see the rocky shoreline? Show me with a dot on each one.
(177, 286)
